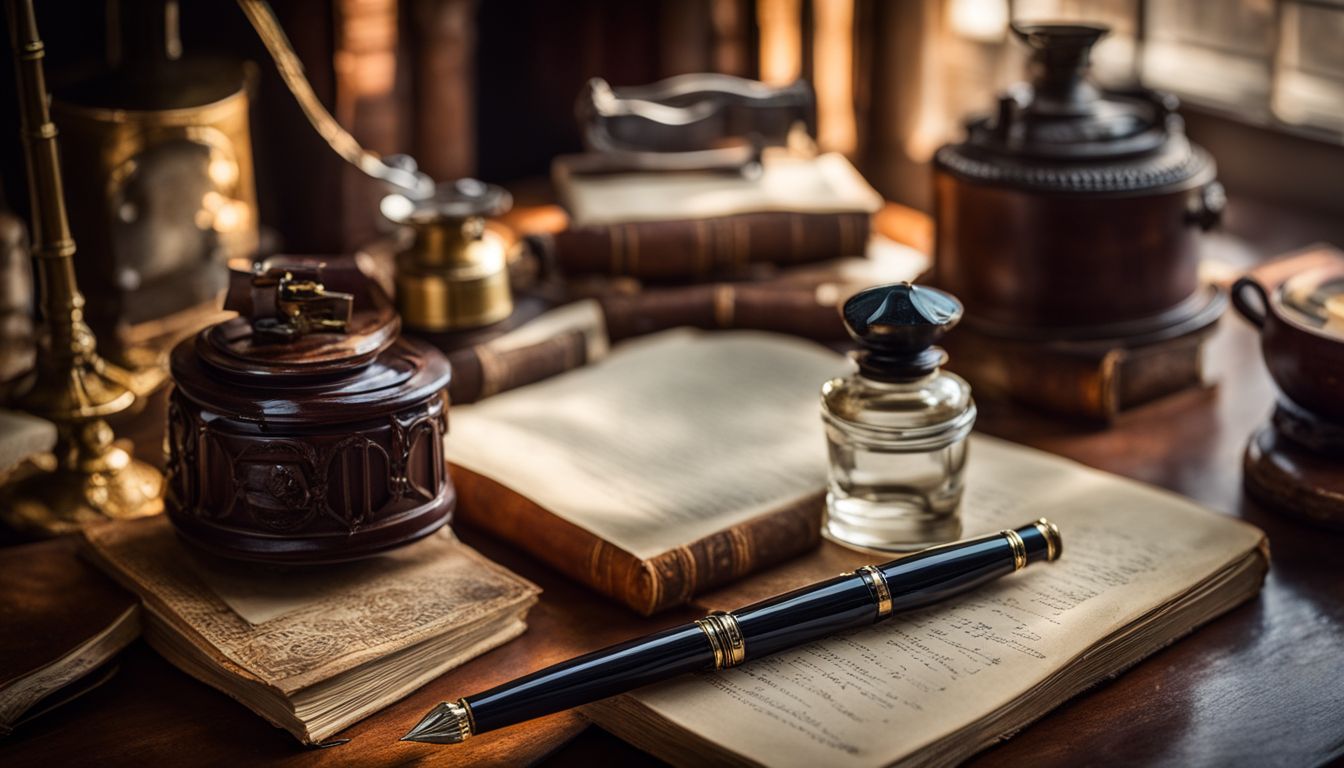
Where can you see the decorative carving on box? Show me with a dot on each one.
(287, 485)
(310, 446)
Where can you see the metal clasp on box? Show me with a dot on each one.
(290, 301)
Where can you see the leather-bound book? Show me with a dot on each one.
(692, 225)
(61, 621)
(694, 249)
(646, 475)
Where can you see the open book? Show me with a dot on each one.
(1140, 568)
(313, 650)
(682, 461)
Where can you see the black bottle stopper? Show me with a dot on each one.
(896, 326)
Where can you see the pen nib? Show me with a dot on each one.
(447, 723)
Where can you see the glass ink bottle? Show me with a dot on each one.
(897, 428)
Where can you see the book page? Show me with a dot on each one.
(875, 695)
(323, 628)
(825, 184)
(260, 593)
(670, 439)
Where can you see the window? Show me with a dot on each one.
(1270, 62)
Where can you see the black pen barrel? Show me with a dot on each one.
(722, 640)
(875, 592)
(591, 677)
(807, 614)
(939, 573)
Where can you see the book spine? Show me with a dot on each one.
(645, 586)
(1092, 382)
(443, 36)
(730, 554)
(1146, 375)
(800, 311)
(482, 371)
(1078, 385)
(368, 100)
(704, 248)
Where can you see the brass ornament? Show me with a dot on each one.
(89, 477)
(455, 273)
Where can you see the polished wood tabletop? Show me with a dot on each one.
(1262, 685)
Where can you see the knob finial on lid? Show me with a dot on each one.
(897, 326)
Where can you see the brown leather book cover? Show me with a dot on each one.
(645, 585)
(644, 475)
(799, 310)
(59, 620)
(700, 248)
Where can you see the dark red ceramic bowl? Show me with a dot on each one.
(1302, 346)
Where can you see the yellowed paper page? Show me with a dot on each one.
(259, 593)
(668, 440)
(310, 636)
(825, 184)
(874, 696)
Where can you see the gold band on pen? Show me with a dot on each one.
(1054, 544)
(461, 713)
(1019, 548)
(711, 632)
(725, 639)
(878, 583)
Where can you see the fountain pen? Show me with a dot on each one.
(722, 640)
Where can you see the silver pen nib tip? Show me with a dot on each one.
(447, 723)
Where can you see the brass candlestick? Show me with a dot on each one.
(89, 477)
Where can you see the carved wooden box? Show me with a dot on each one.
(323, 449)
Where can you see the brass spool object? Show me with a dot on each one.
(454, 275)
(89, 477)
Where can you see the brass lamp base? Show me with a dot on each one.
(100, 482)
(88, 477)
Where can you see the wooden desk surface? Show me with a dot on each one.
(1263, 685)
